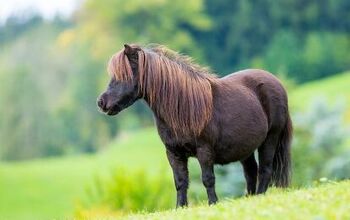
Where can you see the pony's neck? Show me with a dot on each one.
(185, 108)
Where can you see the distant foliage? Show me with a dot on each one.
(315, 56)
(320, 148)
(24, 118)
(151, 21)
(52, 71)
(306, 40)
(48, 99)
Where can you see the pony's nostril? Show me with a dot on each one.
(100, 103)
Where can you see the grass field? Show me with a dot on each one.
(328, 201)
(52, 188)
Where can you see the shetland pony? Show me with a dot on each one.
(216, 120)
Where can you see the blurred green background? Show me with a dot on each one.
(59, 157)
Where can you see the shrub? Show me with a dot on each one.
(126, 192)
(319, 143)
(230, 180)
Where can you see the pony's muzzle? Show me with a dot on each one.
(102, 102)
(107, 106)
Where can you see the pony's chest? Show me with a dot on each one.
(185, 145)
(188, 150)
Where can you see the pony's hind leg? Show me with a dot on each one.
(250, 169)
(266, 154)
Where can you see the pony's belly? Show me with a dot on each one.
(233, 153)
(238, 148)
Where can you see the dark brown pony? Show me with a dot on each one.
(216, 120)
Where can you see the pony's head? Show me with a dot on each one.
(123, 88)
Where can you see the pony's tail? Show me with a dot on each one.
(281, 173)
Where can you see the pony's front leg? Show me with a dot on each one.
(179, 165)
(206, 161)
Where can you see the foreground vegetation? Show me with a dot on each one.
(328, 201)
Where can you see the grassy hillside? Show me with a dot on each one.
(333, 89)
(51, 188)
(329, 201)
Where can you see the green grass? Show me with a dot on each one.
(328, 201)
(52, 188)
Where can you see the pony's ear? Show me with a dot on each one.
(128, 50)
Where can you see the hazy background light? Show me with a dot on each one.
(47, 9)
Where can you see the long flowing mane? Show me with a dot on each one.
(178, 90)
